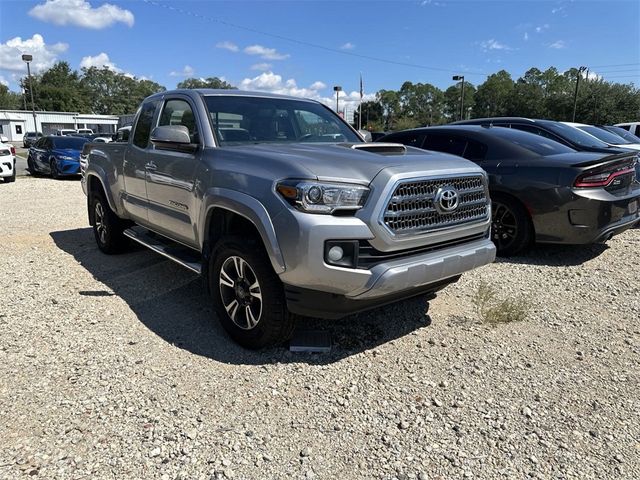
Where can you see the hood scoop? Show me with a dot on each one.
(379, 148)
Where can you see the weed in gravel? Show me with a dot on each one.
(494, 310)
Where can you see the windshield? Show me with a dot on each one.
(574, 135)
(621, 132)
(530, 141)
(239, 120)
(605, 136)
(73, 143)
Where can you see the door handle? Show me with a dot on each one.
(151, 166)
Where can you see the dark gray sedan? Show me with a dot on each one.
(541, 190)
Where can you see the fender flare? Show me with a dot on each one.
(100, 174)
(251, 209)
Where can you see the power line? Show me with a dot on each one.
(302, 42)
(619, 71)
(618, 65)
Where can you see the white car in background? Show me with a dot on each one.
(611, 139)
(633, 127)
(7, 162)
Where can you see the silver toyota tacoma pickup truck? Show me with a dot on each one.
(283, 209)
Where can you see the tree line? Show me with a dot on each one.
(536, 94)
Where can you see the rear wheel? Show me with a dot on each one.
(12, 178)
(107, 226)
(511, 229)
(247, 294)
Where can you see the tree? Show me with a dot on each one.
(211, 82)
(372, 116)
(60, 90)
(422, 103)
(9, 100)
(390, 102)
(452, 100)
(112, 93)
(493, 96)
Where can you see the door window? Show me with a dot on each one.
(143, 127)
(179, 112)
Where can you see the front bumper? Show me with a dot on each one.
(68, 167)
(6, 166)
(310, 281)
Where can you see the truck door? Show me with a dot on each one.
(171, 177)
(136, 157)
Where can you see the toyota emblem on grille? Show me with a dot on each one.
(447, 200)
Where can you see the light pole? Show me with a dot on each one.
(460, 78)
(28, 58)
(337, 89)
(575, 95)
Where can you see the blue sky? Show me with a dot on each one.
(306, 47)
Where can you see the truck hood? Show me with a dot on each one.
(351, 162)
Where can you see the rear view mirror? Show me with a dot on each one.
(173, 137)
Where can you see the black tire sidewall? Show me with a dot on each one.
(275, 324)
(115, 241)
(523, 238)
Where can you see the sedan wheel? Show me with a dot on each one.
(55, 173)
(511, 229)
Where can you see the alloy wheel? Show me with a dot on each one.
(98, 218)
(240, 292)
(504, 226)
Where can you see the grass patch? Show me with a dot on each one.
(494, 310)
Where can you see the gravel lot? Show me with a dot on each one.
(114, 367)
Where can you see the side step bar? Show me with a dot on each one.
(180, 254)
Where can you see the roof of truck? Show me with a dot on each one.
(231, 92)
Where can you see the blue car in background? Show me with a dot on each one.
(56, 156)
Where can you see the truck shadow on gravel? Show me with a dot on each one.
(557, 255)
(172, 302)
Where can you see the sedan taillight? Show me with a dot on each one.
(609, 175)
(13, 150)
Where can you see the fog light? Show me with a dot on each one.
(335, 254)
(341, 253)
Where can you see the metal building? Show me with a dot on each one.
(15, 123)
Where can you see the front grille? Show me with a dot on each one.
(412, 209)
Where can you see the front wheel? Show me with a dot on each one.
(247, 294)
(12, 178)
(55, 173)
(511, 229)
(107, 226)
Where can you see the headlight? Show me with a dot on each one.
(320, 197)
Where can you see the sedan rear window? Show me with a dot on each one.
(574, 135)
(605, 136)
(529, 141)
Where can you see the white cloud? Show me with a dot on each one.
(526, 36)
(4, 81)
(226, 45)
(81, 14)
(558, 45)
(559, 9)
(44, 56)
(542, 28)
(492, 44)
(266, 53)
(274, 83)
(263, 67)
(347, 46)
(101, 60)
(187, 71)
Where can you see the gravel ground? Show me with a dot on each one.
(114, 367)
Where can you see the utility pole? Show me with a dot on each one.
(337, 89)
(460, 78)
(28, 58)
(575, 95)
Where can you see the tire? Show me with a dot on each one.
(511, 228)
(247, 294)
(107, 226)
(55, 174)
(12, 178)
(30, 167)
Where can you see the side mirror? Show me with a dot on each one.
(173, 137)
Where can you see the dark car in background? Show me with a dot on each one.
(56, 156)
(541, 190)
(30, 138)
(621, 132)
(565, 134)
